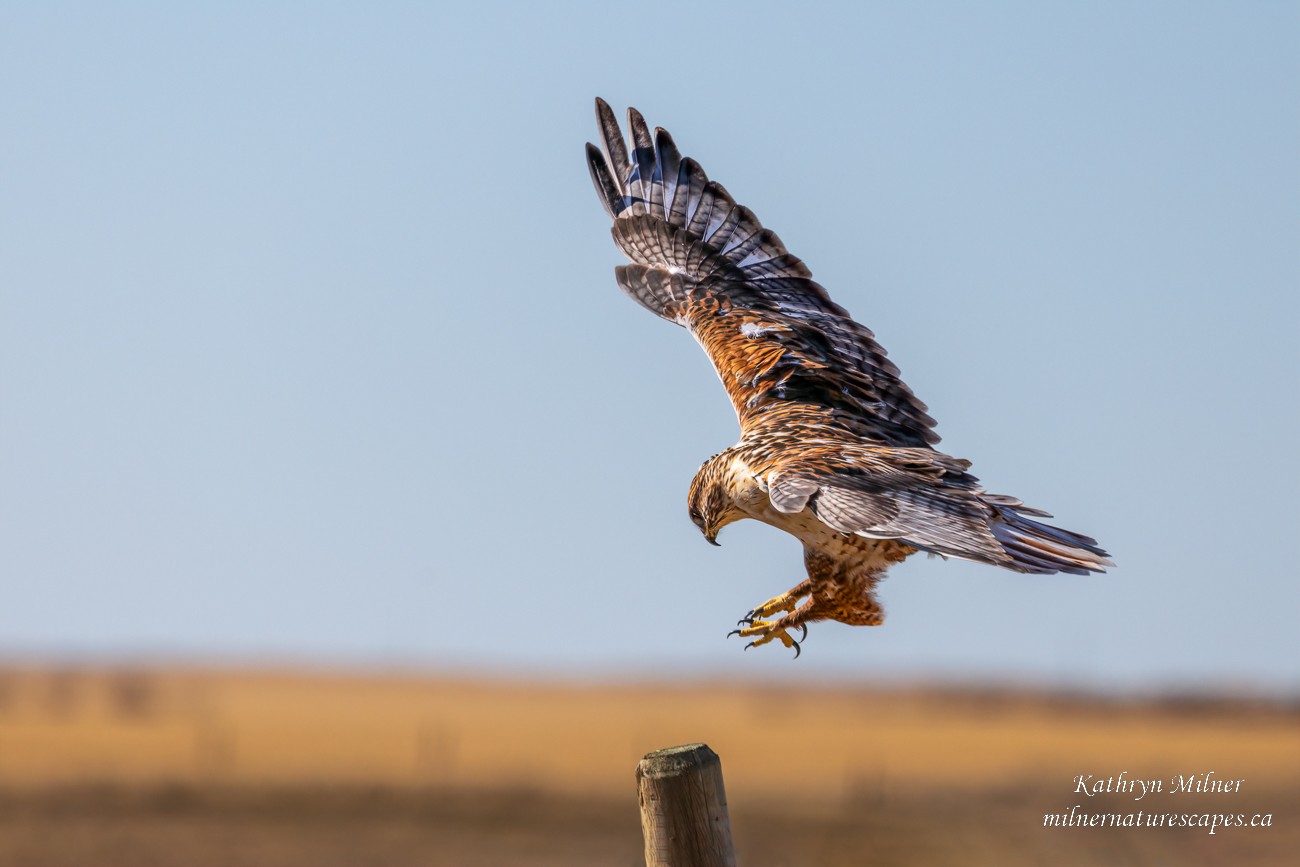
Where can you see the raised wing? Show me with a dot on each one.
(783, 349)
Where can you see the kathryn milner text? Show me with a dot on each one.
(1202, 783)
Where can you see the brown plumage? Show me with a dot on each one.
(834, 448)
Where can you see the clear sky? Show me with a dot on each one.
(310, 346)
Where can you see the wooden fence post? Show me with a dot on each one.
(684, 808)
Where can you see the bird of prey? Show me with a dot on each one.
(834, 447)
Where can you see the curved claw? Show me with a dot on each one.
(803, 637)
(733, 632)
(797, 648)
(751, 644)
(745, 621)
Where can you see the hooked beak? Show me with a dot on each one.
(712, 539)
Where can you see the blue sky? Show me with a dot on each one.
(310, 347)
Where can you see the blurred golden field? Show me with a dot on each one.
(162, 767)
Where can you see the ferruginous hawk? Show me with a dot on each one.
(834, 447)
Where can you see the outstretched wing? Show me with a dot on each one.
(782, 347)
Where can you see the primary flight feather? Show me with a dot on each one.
(834, 447)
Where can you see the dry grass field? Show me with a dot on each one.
(141, 767)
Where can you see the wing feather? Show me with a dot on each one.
(611, 195)
(668, 161)
(686, 193)
(925, 499)
(807, 353)
(780, 265)
(615, 149)
(641, 179)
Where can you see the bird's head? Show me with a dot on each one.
(710, 504)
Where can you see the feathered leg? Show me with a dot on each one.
(834, 593)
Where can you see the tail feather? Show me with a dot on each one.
(1040, 548)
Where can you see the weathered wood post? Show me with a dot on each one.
(684, 808)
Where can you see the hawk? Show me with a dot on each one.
(834, 448)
